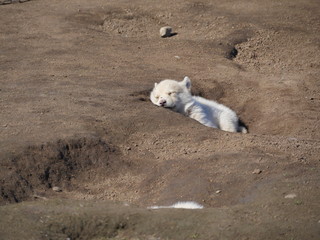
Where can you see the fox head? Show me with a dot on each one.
(170, 93)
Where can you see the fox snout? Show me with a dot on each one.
(162, 102)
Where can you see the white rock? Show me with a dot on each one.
(291, 195)
(257, 171)
(184, 205)
(165, 31)
(57, 189)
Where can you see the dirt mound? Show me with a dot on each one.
(40, 168)
(122, 22)
(256, 53)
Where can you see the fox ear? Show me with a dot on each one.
(155, 84)
(187, 83)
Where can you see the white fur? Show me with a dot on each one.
(185, 205)
(177, 96)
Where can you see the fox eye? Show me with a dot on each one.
(157, 96)
(169, 93)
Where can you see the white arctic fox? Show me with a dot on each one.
(177, 96)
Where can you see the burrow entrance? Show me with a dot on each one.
(40, 168)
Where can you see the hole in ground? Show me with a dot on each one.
(232, 54)
(39, 168)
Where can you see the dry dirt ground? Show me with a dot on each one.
(75, 114)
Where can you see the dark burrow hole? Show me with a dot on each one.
(232, 53)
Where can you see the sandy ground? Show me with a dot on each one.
(75, 77)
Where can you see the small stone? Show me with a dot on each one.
(57, 189)
(218, 191)
(257, 171)
(165, 31)
(291, 195)
(40, 197)
(177, 57)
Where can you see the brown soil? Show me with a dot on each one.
(75, 114)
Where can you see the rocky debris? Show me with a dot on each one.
(257, 171)
(57, 189)
(166, 31)
(291, 196)
(36, 196)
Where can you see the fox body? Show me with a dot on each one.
(177, 96)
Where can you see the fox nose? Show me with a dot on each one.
(162, 102)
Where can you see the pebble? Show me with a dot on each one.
(292, 139)
(257, 171)
(40, 197)
(218, 191)
(165, 31)
(57, 189)
(291, 195)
